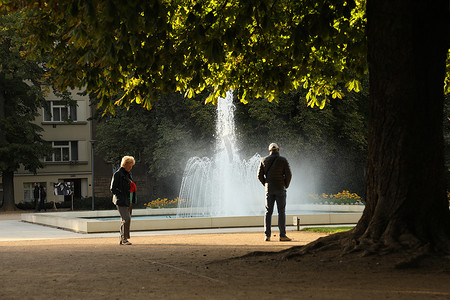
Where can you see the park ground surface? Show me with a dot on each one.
(207, 266)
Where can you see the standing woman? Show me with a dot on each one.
(124, 194)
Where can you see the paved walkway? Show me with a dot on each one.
(13, 229)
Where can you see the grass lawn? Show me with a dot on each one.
(328, 229)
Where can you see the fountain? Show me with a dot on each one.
(224, 185)
(222, 192)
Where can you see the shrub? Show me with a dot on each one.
(100, 203)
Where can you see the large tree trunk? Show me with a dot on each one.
(7, 177)
(406, 202)
(8, 191)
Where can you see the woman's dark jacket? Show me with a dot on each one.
(274, 173)
(120, 187)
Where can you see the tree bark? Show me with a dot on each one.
(8, 191)
(406, 202)
(2, 112)
(7, 177)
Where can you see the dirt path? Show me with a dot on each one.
(202, 266)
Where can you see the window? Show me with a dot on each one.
(63, 152)
(28, 189)
(59, 112)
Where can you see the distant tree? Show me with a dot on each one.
(125, 133)
(20, 98)
(446, 122)
(163, 139)
(176, 129)
(332, 139)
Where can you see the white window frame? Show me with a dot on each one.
(60, 112)
(28, 192)
(62, 152)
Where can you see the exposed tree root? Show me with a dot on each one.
(412, 262)
(406, 253)
(331, 242)
(259, 253)
(9, 209)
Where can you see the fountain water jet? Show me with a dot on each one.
(224, 185)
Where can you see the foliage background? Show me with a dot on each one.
(326, 147)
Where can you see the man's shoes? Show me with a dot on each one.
(267, 239)
(284, 239)
(125, 243)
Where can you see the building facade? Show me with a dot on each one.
(69, 131)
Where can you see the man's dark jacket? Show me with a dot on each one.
(120, 187)
(36, 192)
(274, 173)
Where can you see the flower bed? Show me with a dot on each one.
(344, 197)
(162, 203)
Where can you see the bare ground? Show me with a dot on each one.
(208, 266)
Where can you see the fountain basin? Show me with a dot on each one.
(91, 221)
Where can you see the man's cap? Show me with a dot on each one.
(273, 146)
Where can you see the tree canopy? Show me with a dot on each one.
(259, 48)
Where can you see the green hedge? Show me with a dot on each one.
(100, 203)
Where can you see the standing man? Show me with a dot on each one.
(36, 196)
(124, 194)
(43, 195)
(275, 174)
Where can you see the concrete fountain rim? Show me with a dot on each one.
(86, 222)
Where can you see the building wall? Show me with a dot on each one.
(102, 177)
(78, 170)
(72, 143)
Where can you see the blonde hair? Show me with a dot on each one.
(127, 160)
